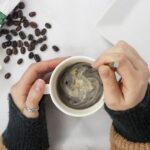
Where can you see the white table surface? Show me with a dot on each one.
(74, 32)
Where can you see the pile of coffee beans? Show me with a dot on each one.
(16, 24)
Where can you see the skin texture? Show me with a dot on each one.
(131, 89)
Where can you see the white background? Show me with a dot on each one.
(74, 32)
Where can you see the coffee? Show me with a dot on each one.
(79, 86)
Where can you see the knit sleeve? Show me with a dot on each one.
(23, 133)
(133, 124)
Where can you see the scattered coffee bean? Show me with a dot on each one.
(44, 38)
(9, 51)
(8, 37)
(30, 37)
(23, 50)
(15, 15)
(43, 32)
(14, 32)
(9, 23)
(6, 59)
(20, 61)
(37, 58)
(20, 14)
(31, 47)
(7, 75)
(4, 31)
(43, 47)
(48, 25)
(22, 35)
(37, 32)
(20, 43)
(32, 14)
(16, 23)
(26, 23)
(6, 44)
(26, 43)
(33, 24)
(31, 55)
(18, 28)
(15, 51)
(14, 44)
(21, 5)
(55, 48)
(40, 40)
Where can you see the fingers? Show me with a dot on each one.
(34, 97)
(112, 92)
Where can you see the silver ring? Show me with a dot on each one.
(32, 110)
(114, 64)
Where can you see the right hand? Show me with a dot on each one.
(134, 71)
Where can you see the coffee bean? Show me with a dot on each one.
(4, 31)
(26, 23)
(6, 44)
(22, 35)
(9, 23)
(37, 58)
(7, 75)
(43, 47)
(15, 51)
(31, 55)
(20, 13)
(37, 32)
(20, 61)
(14, 32)
(26, 43)
(8, 37)
(6, 59)
(14, 44)
(43, 32)
(32, 14)
(3, 45)
(30, 37)
(31, 47)
(16, 23)
(48, 25)
(23, 50)
(40, 40)
(21, 5)
(55, 48)
(33, 24)
(20, 43)
(9, 51)
(44, 38)
(18, 28)
(15, 15)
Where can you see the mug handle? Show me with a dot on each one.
(46, 89)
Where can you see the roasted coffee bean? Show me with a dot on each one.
(31, 55)
(20, 13)
(31, 47)
(8, 37)
(14, 32)
(32, 14)
(40, 40)
(30, 37)
(6, 59)
(9, 23)
(26, 23)
(43, 32)
(23, 50)
(22, 35)
(33, 24)
(15, 15)
(44, 38)
(9, 51)
(21, 5)
(7, 75)
(14, 44)
(16, 23)
(55, 48)
(48, 25)
(18, 28)
(43, 47)
(37, 58)
(15, 51)
(20, 43)
(20, 61)
(4, 31)
(37, 32)
(26, 43)
(6, 44)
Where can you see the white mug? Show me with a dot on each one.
(51, 89)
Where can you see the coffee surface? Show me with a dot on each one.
(79, 86)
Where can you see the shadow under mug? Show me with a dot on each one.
(51, 89)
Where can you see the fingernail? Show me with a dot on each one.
(39, 85)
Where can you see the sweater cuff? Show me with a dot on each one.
(24, 133)
(133, 124)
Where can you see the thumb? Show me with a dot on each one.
(34, 97)
(112, 92)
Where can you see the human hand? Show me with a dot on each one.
(29, 90)
(134, 72)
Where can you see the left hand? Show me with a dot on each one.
(29, 90)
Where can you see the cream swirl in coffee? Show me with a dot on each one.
(79, 86)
